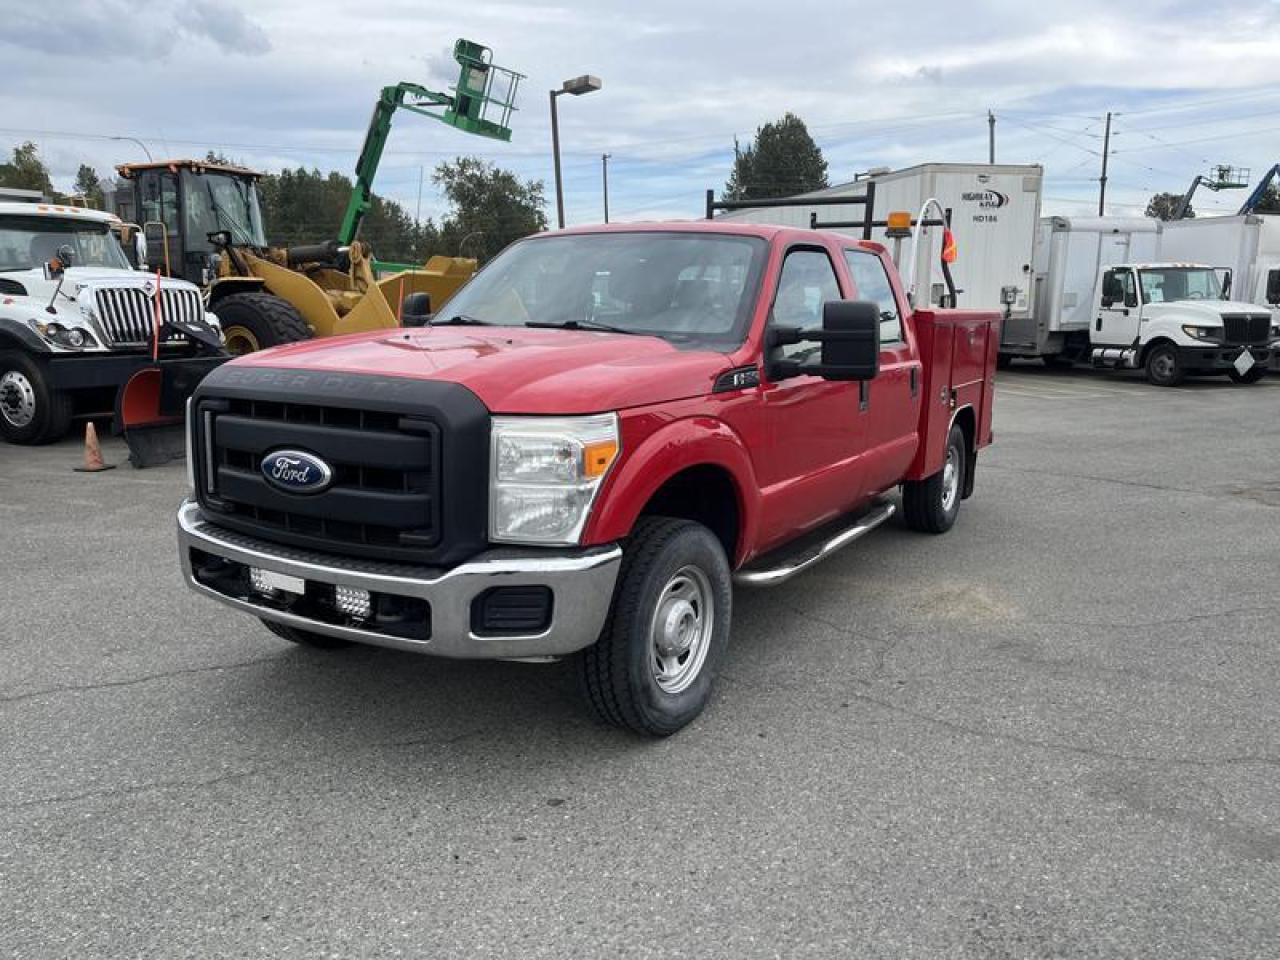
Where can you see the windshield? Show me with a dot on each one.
(686, 286)
(220, 201)
(28, 242)
(1179, 283)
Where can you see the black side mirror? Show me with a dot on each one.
(415, 311)
(1273, 287)
(155, 237)
(67, 254)
(850, 338)
(1107, 300)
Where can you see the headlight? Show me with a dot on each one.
(1202, 333)
(544, 473)
(73, 338)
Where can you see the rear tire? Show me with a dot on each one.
(652, 669)
(931, 505)
(1164, 367)
(304, 638)
(31, 410)
(255, 321)
(1251, 376)
(1004, 361)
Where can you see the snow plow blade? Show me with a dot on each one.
(151, 408)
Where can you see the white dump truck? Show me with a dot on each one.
(78, 324)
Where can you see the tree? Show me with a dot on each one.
(89, 186)
(1164, 205)
(489, 208)
(782, 161)
(26, 171)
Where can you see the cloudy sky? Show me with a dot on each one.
(278, 83)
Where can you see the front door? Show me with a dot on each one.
(809, 470)
(1119, 315)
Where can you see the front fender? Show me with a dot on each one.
(654, 451)
(23, 334)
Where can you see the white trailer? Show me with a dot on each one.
(994, 212)
(1070, 255)
(1247, 245)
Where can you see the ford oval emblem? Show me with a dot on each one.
(296, 472)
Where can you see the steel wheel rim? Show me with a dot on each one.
(240, 340)
(17, 399)
(680, 630)
(1163, 363)
(950, 479)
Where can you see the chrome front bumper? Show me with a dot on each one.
(581, 583)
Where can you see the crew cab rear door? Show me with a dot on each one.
(810, 470)
(892, 399)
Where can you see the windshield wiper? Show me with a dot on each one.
(459, 319)
(585, 325)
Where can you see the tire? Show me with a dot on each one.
(636, 676)
(1164, 368)
(255, 321)
(1056, 361)
(304, 638)
(931, 505)
(1253, 375)
(31, 411)
(1004, 361)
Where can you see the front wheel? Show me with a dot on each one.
(931, 505)
(256, 320)
(31, 410)
(1164, 367)
(1252, 375)
(652, 669)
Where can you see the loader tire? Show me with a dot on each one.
(255, 321)
(932, 504)
(31, 410)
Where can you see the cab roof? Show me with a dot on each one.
(56, 210)
(130, 170)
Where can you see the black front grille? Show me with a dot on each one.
(385, 493)
(1239, 328)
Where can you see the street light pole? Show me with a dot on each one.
(604, 171)
(555, 151)
(577, 87)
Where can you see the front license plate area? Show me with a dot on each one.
(281, 581)
(1244, 362)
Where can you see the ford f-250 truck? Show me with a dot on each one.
(601, 434)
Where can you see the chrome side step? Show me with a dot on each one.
(789, 566)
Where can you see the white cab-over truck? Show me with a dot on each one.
(77, 322)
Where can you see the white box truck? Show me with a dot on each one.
(994, 212)
(1247, 245)
(1070, 254)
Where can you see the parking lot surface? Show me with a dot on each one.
(1053, 732)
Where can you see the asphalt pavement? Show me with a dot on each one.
(1053, 732)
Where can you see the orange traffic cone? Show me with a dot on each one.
(93, 462)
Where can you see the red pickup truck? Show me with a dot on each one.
(584, 450)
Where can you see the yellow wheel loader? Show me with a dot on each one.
(202, 221)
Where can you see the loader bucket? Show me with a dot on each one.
(151, 408)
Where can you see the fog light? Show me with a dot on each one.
(352, 601)
(261, 583)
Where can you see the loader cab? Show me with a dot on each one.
(179, 204)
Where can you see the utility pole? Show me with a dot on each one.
(1102, 180)
(604, 172)
(417, 213)
(991, 138)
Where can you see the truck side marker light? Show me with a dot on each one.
(597, 456)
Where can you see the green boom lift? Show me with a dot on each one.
(481, 104)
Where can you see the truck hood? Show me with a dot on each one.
(1206, 312)
(517, 370)
(77, 278)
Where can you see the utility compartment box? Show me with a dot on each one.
(994, 211)
(958, 350)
